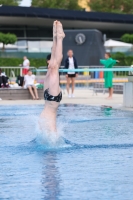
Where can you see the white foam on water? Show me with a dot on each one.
(47, 139)
(44, 138)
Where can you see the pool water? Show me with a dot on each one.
(93, 161)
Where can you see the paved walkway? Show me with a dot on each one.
(82, 96)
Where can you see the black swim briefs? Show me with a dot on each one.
(49, 97)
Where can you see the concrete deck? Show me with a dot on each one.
(82, 96)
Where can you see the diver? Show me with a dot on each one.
(52, 91)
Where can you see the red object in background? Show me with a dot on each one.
(100, 74)
(24, 71)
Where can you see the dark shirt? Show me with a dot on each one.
(67, 64)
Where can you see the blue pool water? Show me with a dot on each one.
(94, 159)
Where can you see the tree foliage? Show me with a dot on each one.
(10, 2)
(114, 6)
(60, 4)
(7, 38)
(125, 60)
(127, 38)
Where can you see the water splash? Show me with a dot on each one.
(50, 140)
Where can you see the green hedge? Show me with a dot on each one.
(127, 38)
(124, 59)
(17, 61)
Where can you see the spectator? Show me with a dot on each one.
(29, 83)
(3, 80)
(71, 63)
(108, 75)
(26, 65)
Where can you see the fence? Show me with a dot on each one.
(92, 77)
(89, 77)
(13, 72)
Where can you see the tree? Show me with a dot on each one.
(61, 4)
(10, 2)
(7, 39)
(127, 38)
(114, 6)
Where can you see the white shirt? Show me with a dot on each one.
(29, 80)
(26, 64)
(71, 65)
(3, 74)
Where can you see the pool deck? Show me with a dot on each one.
(82, 96)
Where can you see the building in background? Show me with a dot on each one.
(33, 26)
(87, 45)
(84, 4)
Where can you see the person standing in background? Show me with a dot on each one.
(26, 65)
(71, 63)
(108, 75)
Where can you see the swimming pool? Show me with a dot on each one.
(94, 162)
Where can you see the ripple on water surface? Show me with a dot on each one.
(90, 159)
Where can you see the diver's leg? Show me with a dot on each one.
(59, 46)
(53, 50)
(56, 56)
(54, 88)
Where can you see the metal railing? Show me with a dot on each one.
(14, 71)
(89, 77)
(92, 77)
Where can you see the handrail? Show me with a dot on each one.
(90, 66)
(91, 70)
(84, 69)
(14, 67)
